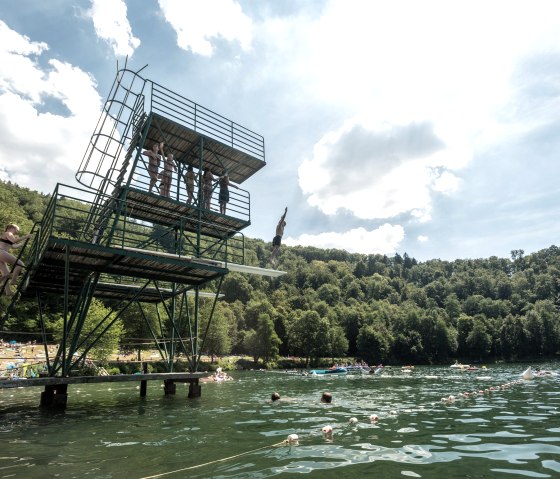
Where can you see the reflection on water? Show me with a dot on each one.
(109, 432)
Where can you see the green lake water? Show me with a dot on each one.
(233, 430)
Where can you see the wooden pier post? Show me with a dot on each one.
(144, 383)
(169, 387)
(55, 396)
(195, 389)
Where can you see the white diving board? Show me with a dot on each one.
(238, 268)
(241, 268)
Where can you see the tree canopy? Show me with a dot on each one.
(332, 303)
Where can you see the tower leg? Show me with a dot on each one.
(169, 387)
(144, 383)
(55, 396)
(195, 389)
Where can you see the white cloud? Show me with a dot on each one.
(422, 238)
(429, 58)
(198, 23)
(17, 70)
(389, 65)
(111, 24)
(41, 147)
(446, 182)
(379, 172)
(383, 240)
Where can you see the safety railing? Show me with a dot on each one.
(69, 216)
(175, 188)
(206, 122)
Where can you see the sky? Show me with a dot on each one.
(430, 128)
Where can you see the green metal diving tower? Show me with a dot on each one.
(113, 239)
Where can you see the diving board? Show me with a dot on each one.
(235, 267)
(241, 268)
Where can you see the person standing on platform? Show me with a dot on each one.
(154, 157)
(189, 178)
(224, 191)
(10, 240)
(277, 240)
(207, 184)
(166, 175)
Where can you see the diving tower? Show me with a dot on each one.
(116, 239)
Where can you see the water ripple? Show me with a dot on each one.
(234, 430)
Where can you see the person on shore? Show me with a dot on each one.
(154, 158)
(326, 398)
(10, 240)
(224, 191)
(277, 240)
(166, 175)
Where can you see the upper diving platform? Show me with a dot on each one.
(139, 113)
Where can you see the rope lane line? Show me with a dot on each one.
(293, 439)
(224, 459)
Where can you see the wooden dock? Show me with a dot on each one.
(55, 395)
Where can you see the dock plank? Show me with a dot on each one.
(53, 381)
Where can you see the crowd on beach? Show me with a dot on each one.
(23, 359)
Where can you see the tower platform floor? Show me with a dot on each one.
(135, 267)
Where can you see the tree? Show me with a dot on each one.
(309, 336)
(551, 324)
(517, 258)
(512, 337)
(354, 290)
(253, 311)
(218, 340)
(374, 344)
(236, 287)
(444, 341)
(408, 346)
(453, 308)
(263, 342)
(534, 327)
(479, 341)
(437, 291)
(138, 323)
(351, 319)
(329, 293)
(98, 316)
(337, 341)
(464, 327)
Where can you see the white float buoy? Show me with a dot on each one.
(528, 374)
(293, 438)
(353, 420)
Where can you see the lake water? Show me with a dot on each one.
(233, 430)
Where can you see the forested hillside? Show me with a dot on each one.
(381, 309)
